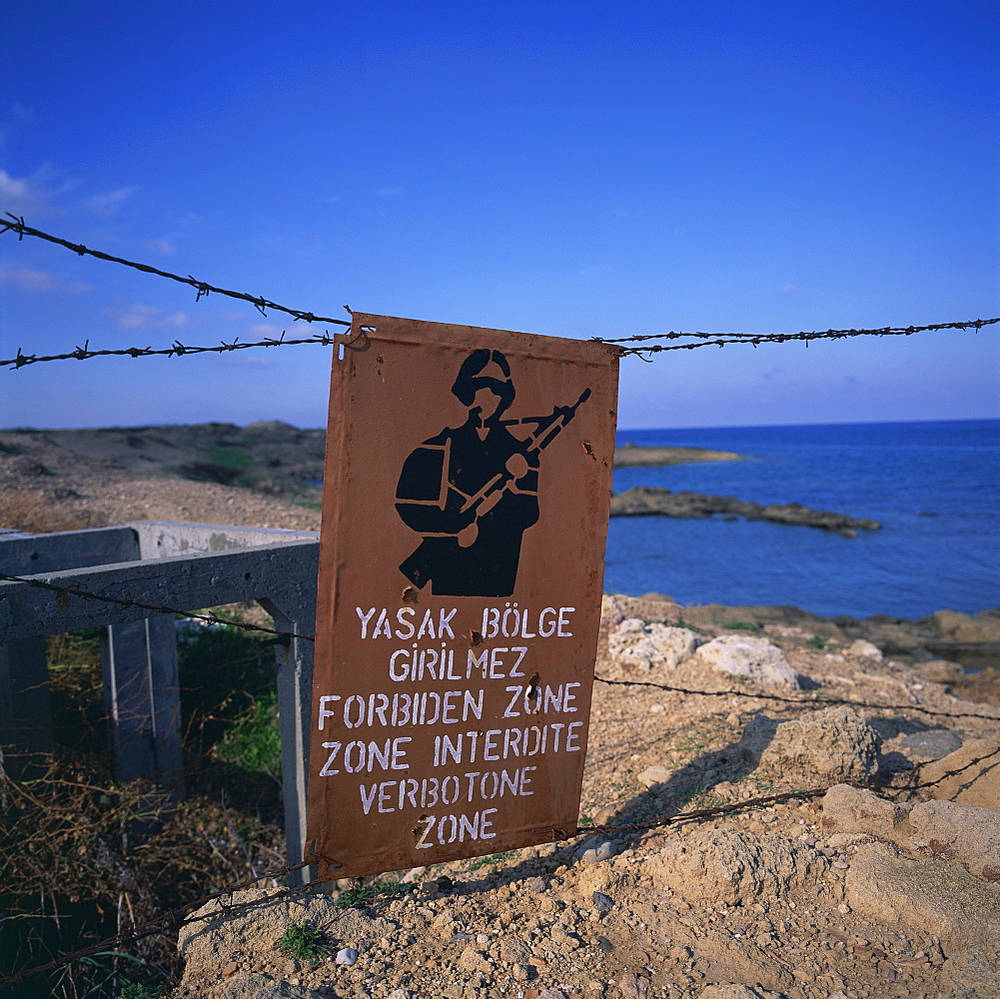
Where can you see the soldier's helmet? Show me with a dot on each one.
(488, 369)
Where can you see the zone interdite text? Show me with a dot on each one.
(525, 698)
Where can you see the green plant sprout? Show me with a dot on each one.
(493, 858)
(362, 894)
(748, 626)
(304, 943)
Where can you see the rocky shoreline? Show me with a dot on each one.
(642, 501)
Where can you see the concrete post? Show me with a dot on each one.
(139, 664)
(25, 712)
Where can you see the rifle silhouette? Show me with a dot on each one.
(547, 430)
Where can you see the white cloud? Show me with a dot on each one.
(33, 282)
(161, 246)
(179, 320)
(31, 195)
(786, 289)
(108, 204)
(247, 361)
(264, 331)
(387, 192)
(140, 316)
(12, 187)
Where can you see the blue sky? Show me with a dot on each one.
(577, 169)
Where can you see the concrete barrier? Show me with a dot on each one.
(158, 564)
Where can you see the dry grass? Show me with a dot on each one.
(83, 855)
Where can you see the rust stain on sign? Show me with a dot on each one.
(465, 507)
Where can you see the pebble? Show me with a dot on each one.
(346, 956)
(597, 854)
(603, 903)
(633, 985)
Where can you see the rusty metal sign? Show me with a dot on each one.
(465, 507)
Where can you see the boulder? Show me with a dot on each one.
(748, 655)
(978, 784)
(939, 897)
(971, 974)
(940, 671)
(849, 809)
(981, 627)
(836, 741)
(634, 643)
(864, 650)
(255, 985)
(935, 743)
(958, 832)
(731, 867)
(653, 776)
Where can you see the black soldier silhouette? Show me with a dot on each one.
(472, 491)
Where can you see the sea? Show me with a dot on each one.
(934, 486)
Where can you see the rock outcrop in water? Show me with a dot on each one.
(651, 500)
(636, 454)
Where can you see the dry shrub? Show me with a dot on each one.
(83, 857)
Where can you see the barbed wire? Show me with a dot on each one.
(814, 701)
(177, 349)
(723, 339)
(157, 608)
(203, 288)
(286, 636)
(172, 919)
(767, 800)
